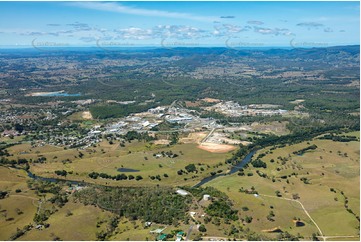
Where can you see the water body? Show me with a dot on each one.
(60, 94)
(234, 169)
(35, 177)
(127, 170)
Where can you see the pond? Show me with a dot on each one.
(60, 94)
(127, 170)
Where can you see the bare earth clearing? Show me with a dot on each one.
(87, 115)
(216, 148)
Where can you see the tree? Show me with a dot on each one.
(278, 193)
(174, 138)
(198, 237)
(202, 228)
(68, 213)
(314, 237)
(61, 172)
(248, 219)
(191, 168)
(19, 127)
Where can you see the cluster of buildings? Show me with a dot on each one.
(66, 134)
(75, 141)
(145, 121)
(233, 109)
(84, 102)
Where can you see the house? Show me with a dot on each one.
(162, 237)
(39, 226)
(179, 235)
(10, 133)
(147, 224)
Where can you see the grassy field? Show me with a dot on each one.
(107, 158)
(8, 140)
(18, 209)
(81, 225)
(326, 167)
(331, 172)
(135, 230)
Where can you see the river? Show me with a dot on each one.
(233, 170)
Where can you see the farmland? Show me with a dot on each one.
(140, 156)
(185, 143)
(324, 169)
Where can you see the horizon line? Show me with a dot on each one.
(171, 47)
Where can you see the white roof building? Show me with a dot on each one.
(182, 192)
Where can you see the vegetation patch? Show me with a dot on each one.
(152, 204)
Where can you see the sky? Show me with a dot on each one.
(179, 24)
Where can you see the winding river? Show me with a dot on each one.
(233, 170)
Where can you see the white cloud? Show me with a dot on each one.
(274, 31)
(310, 24)
(229, 29)
(119, 8)
(161, 31)
(255, 22)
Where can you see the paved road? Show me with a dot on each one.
(209, 135)
(189, 232)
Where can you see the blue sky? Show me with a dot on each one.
(170, 24)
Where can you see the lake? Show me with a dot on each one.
(127, 170)
(60, 94)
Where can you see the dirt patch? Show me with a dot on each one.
(194, 138)
(273, 230)
(216, 148)
(193, 104)
(87, 115)
(26, 117)
(162, 142)
(297, 101)
(211, 100)
(271, 127)
(245, 143)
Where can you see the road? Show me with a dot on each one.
(293, 200)
(213, 238)
(209, 135)
(340, 236)
(189, 232)
(173, 103)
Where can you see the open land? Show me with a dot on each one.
(174, 132)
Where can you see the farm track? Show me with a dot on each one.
(324, 238)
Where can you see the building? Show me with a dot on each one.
(162, 237)
(206, 197)
(182, 192)
(179, 235)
